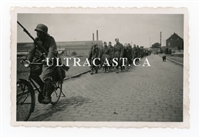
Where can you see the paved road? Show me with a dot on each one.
(174, 58)
(142, 94)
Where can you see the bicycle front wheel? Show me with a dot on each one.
(25, 100)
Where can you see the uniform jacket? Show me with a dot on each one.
(111, 51)
(48, 44)
(94, 53)
(118, 50)
(106, 52)
(128, 52)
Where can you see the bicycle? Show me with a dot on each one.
(26, 95)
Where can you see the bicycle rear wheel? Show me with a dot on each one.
(25, 100)
(55, 96)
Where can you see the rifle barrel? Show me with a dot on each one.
(24, 29)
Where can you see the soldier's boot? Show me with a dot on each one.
(40, 97)
(122, 68)
(47, 98)
(117, 70)
(108, 70)
(96, 70)
(105, 69)
(127, 67)
(91, 72)
(47, 91)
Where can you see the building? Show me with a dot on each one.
(174, 42)
(80, 47)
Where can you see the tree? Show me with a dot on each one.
(74, 53)
(156, 45)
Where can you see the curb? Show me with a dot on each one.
(76, 75)
(179, 63)
(175, 61)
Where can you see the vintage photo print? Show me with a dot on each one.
(95, 67)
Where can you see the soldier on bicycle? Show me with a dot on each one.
(35, 55)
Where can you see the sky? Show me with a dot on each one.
(139, 29)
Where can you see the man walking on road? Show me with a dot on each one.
(129, 55)
(164, 57)
(118, 53)
(111, 54)
(93, 55)
(106, 57)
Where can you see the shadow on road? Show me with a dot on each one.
(61, 106)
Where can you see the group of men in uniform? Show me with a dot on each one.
(104, 57)
(107, 53)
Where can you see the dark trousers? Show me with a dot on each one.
(119, 64)
(164, 58)
(46, 85)
(96, 66)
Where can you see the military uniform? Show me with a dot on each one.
(111, 54)
(93, 54)
(34, 55)
(49, 45)
(118, 53)
(134, 51)
(106, 55)
(128, 54)
(111, 51)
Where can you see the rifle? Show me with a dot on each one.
(38, 45)
(35, 42)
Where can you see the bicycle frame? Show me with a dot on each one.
(32, 82)
(32, 87)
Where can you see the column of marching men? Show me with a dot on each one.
(104, 56)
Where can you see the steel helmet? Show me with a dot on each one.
(42, 28)
(117, 39)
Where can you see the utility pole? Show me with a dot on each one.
(160, 39)
(97, 35)
(92, 36)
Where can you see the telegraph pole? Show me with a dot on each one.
(160, 39)
(92, 36)
(97, 35)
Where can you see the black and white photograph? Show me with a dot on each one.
(101, 67)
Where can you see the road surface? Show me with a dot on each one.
(153, 94)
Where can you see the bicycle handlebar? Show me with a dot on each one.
(32, 63)
(27, 64)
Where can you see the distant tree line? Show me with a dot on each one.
(156, 45)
